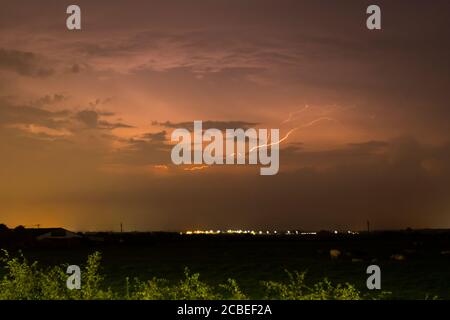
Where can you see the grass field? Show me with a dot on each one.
(425, 272)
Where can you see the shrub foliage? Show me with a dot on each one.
(29, 281)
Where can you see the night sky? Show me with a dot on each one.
(86, 116)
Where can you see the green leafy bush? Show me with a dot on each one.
(29, 281)
(25, 281)
(190, 288)
(296, 289)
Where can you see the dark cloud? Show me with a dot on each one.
(50, 99)
(97, 102)
(102, 124)
(208, 124)
(91, 119)
(148, 149)
(12, 114)
(24, 63)
(155, 137)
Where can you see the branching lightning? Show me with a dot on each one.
(309, 124)
(292, 114)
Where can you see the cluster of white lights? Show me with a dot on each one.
(223, 232)
(260, 232)
(203, 232)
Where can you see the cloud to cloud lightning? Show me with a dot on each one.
(292, 114)
(309, 124)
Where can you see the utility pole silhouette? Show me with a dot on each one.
(121, 227)
(368, 226)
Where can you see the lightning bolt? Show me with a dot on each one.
(286, 136)
(196, 168)
(309, 124)
(291, 115)
(161, 166)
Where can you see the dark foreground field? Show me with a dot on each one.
(424, 272)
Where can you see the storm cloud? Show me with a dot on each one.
(86, 117)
